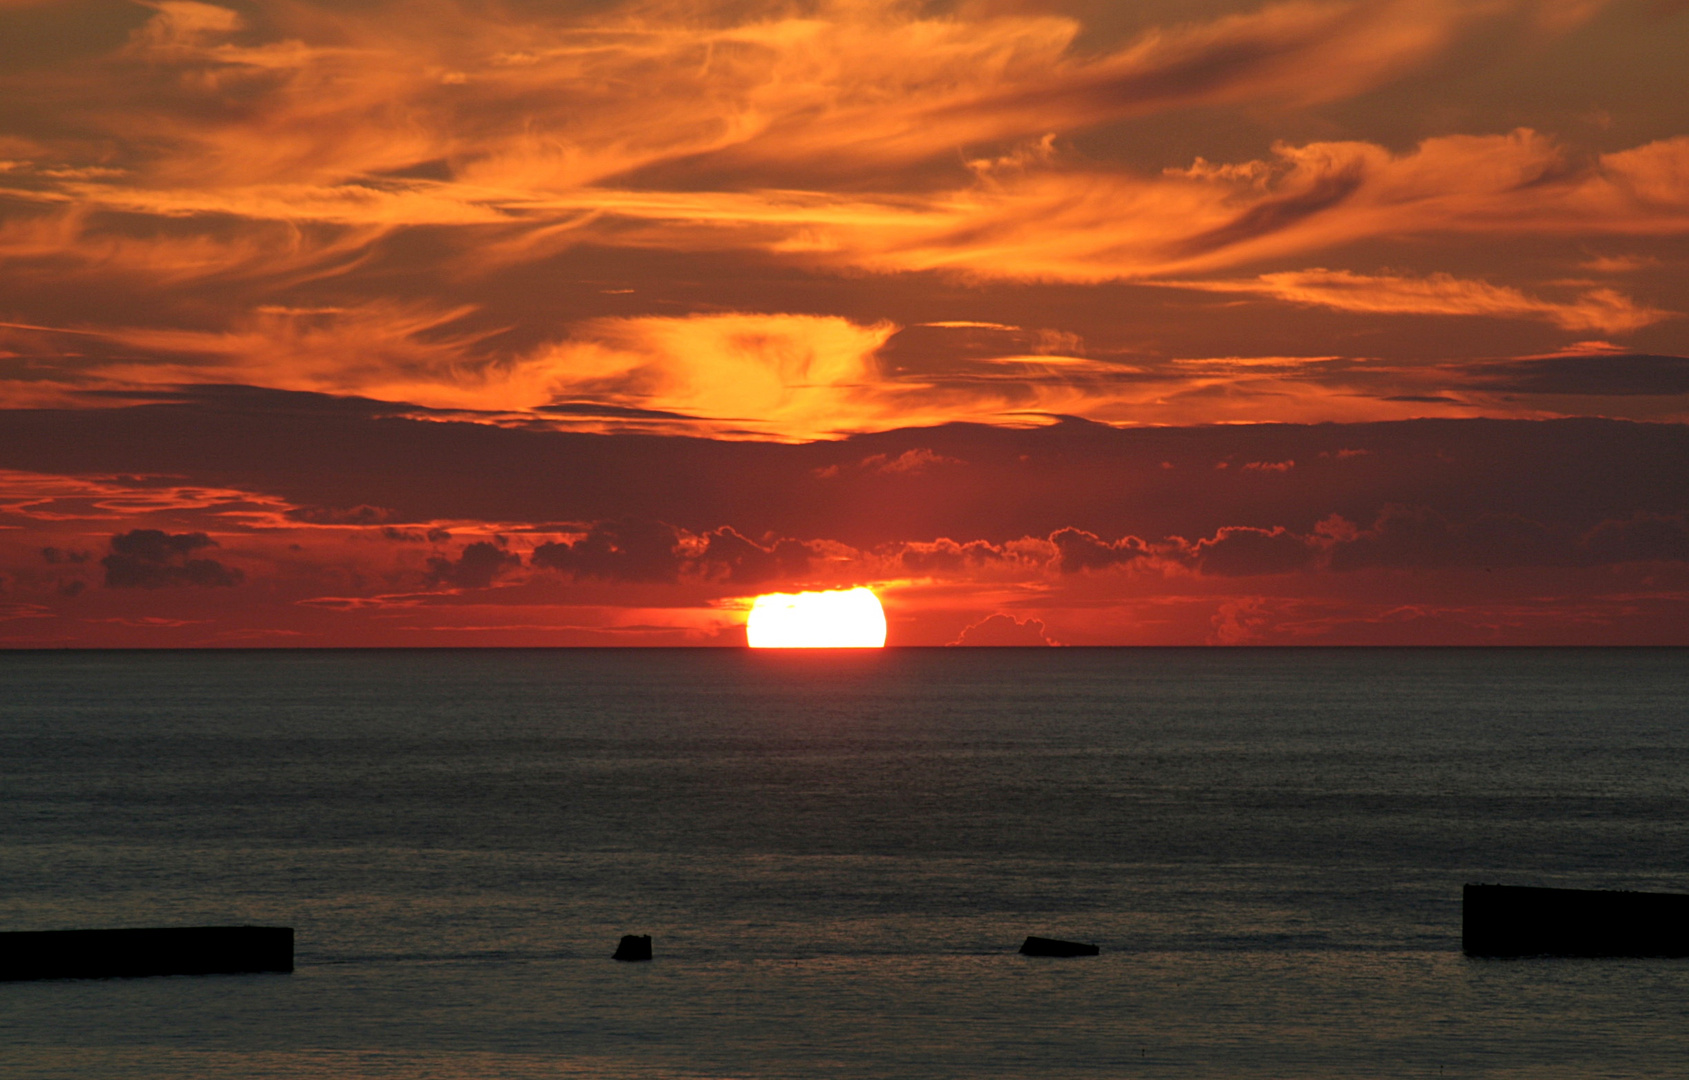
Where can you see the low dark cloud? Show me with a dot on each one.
(946, 556)
(631, 551)
(241, 398)
(1400, 538)
(58, 556)
(1080, 550)
(1241, 551)
(415, 536)
(151, 559)
(476, 568)
(362, 514)
(619, 412)
(1418, 536)
(1004, 630)
(1644, 538)
(1103, 481)
(727, 556)
(1600, 375)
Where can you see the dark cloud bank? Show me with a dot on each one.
(152, 559)
(1248, 498)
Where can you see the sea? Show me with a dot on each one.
(837, 855)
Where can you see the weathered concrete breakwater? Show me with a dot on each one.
(122, 954)
(1510, 920)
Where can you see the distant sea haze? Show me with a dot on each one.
(837, 856)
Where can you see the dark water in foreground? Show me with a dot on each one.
(837, 855)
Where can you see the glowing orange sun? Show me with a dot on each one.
(842, 619)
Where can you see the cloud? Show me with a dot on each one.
(1085, 224)
(797, 377)
(362, 514)
(1240, 621)
(729, 557)
(380, 349)
(792, 375)
(865, 87)
(1610, 374)
(767, 128)
(1079, 550)
(623, 551)
(1243, 551)
(1582, 518)
(1405, 536)
(476, 567)
(1617, 264)
(362, 200)
(182, 29)
(246, 467)
(1401, 537)
(152, 559)
(946, 556)
(415, 536)
(1605, 310)
(1642, 538)
(56, 556)
(1004, 630)
(910, 462)
(800, 377)
(496, 99)
(652, 552)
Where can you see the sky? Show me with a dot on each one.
(1097, 322)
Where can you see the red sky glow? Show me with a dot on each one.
(580, 322)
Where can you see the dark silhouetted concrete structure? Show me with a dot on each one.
(1508, 920)
(123, 954)
(1044, 946)
(633, 947)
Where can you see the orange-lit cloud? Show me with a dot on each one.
(1601, 309)
(796, 377)
(1054, 222)
(599, 94)
(528, 129)
(1078, 225)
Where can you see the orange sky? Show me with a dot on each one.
(529, 323)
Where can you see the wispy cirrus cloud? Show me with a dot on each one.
(794, 377)
(1089, 225)
(1052, 222)
(339, 200)
(738, 130)
(1604, 310)
(549, 102)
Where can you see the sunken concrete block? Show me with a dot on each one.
(1510, 920)
(633, 947)
(125, 954)
(1044, 946)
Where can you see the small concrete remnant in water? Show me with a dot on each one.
(1512, 920)
(633, 947)
(27, 955)
(1044, 946)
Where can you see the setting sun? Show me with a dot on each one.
(842, 619)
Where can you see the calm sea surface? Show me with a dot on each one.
(837, 856)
